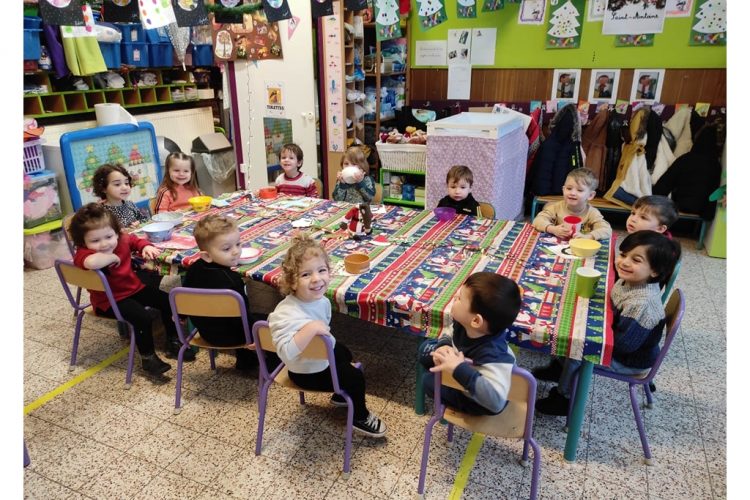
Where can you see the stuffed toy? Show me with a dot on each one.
(358, 221)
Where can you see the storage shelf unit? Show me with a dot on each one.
(416, 178)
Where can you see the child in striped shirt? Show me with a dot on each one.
(292, 181)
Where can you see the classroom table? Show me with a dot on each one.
(418, 264)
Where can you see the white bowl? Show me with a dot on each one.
(349, 174)
(156, 232)
(172, 217)
(249, 255)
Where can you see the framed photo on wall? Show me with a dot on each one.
(603, 86)
(647, 84)
(565, 84)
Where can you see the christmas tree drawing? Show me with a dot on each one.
(91, 163)
(710, 23)
(492, 5)
(114, 155)
(467, 8)
(386, 18)
(564, 24)
(431, 13)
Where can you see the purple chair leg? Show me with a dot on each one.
(301, 397)
(178, 390)
(639, 423)
(349, 430)
(535, 469)
(649, 396)
(76, 336)
(426, 453)
(131, 356)
(264, 386)
(450, 433)
(525, 455)
(212, 358)
(26, 458)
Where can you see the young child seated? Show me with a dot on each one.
(100, 244)
(293, 181)
(476, 352)
(306, 312)
(113, 184)
(578, 190)
(652, 213)
(360, 188)
(219, 242)
(458, 182)
(646, 261)
(180, 183)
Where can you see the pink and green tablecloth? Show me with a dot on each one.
(418, 264)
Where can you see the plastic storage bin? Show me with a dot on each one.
(156, 35)
(33, 160)
(493, 145)
(135, 54)
(111, 54)
(202, 55)
(160, 54)
(131, 32)
(32, 49)
(43, 244)
(41, 201)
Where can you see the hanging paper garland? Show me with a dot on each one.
(180, 38)
(190, 12)
(61, 12)
(564, 26)
(276, 10)
(156, 13)
(387, 20)
(431, 13)
(709, 25)
(466, 8)
(321, 8)
(492, 5)
(120, 11)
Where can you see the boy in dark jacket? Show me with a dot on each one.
(459, 181)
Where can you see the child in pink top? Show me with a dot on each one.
(179, 183)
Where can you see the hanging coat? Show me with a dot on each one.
(654, 129)
(675, 141)
(594, 144)
(632, 180)
(534, 134)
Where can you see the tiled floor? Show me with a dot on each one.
(98, 440)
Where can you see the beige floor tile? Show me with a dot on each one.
(164, 444)
(247, 476)
(296, 483)
(38, 487)
(168, 486)
(124, 479)
(204, 459)
(376, 472)
(124, 428)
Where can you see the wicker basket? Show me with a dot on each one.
(402, 157)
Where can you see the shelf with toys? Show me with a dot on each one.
(403, 167)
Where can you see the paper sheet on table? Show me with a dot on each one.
(459, 80)
(483, 46)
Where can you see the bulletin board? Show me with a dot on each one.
(522, 46)
(132, 146)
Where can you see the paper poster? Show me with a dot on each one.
(386, 20)
(710, 23)
(190, 12)
(431, 53)
(603, 85)
(621, 106)
(120, 11)
(646, 40)
(333, 69)
(459, 46)
(565, 25)
(596, 10)
(431, 13)
(679, 8)
(565, 84)
(276, 10)
(256, 39)
(466, 9)
(61, 12)
(492, 5)
(701, 108)
(321, 8)
(156, 13)
(276, 132)
(459, 79)
(647, 84)
(483, 46)
(275, 99)
(531, 12)
(634, 17)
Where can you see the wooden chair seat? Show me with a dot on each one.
(199, 341)
(510, 423)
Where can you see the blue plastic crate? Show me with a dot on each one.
(111, 54)
(203, 55)
(135, 54)
(131, 32)
(32, 49)
(160, 55)
(157, 35)
(32, 23)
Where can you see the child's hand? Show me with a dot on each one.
(446, 360)
(339, 176)
(563, 230)
(360, 175)
(150, 252)
(442, 348)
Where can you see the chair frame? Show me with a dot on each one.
(217, 303)
(91, 279)
(674, 310)
(320, 347)
(486, 210)
(528, 397)
(377, 199)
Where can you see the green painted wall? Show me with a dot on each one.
(522, 46)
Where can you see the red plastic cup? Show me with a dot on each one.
(575, 222)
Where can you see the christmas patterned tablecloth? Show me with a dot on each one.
(418, 264)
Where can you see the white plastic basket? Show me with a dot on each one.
(33, 161)
(402, 157)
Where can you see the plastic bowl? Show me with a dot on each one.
(267, 193)
(582, 247)
(200, 203)
(444, 213)
(249, 255)
(357, 263)
(172, 217)
(156, 232)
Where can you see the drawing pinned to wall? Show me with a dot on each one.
(679, 8)
(492, 5)
(125, 11)
(276, 10)
(156, 13)
(709, 23)
(596, 10)
(643, 40)
(603, 85)
(532, 12)
(277, 132)
(321, 8)
(190, 12)
(565, 84)
(387, 20)
(431, 13)
(483, 46)
(634, 17)
(564, 25)
(466, 8)
(292, 26)
(255, 39)
(647, 84)
(66, 13)
(224, 48)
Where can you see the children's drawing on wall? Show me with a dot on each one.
(431, 13)
(492, 5)
(642, 40)
(634, 17)
(596, 10)
(276, 10)
(189, 12)
(647, 84)
(603, 85)
(387, 19)
(466, 8)
(531, 12)
(565, 25)
(224, 48)
(254, 39)
(709, 23)
(565, 84)
(120, 11)
(679, 8)
(459, 45)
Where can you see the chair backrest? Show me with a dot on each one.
(91, 279)
(66, 233)
(319, 187)
(213, 303)
(152, 205)
(674, 310)
(486, 210)
(378, 198)
(670, 283)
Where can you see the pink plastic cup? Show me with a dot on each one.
(575, 222)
